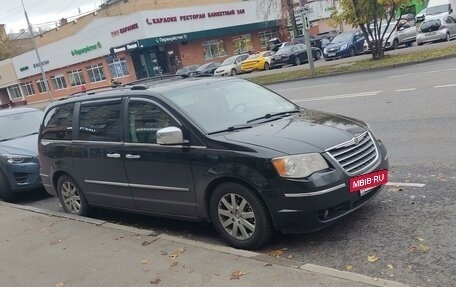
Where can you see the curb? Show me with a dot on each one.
(393, 66)
(316, 269)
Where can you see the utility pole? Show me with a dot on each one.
(305, 31)
(37, 53)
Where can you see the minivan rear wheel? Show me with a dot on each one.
(240, 216)
(71, 197)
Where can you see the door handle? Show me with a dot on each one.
(132, 156)
(113, 155)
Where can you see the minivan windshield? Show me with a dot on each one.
(19, 125)
(438, 9)
(220, 105)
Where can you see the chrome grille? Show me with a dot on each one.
(355, 155)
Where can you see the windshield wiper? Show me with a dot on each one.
(270, 115)
(232, 128)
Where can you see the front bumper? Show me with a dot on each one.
(335, 54)
(23, 177)
(318, 201)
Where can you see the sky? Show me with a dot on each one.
(41, 11)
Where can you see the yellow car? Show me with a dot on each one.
(260, 61)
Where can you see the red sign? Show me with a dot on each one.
(368, 180)
(125, 30)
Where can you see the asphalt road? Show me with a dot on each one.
(409, 230)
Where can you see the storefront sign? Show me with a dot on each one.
(86, 49)
(130, 46)
(42, 64)
(170, 39)
(23, 69)
(124, 30)
(191, 17)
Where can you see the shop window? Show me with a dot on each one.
(96, 73)
(15, 92)
(265, 36)
(42, 86)
(28, 88)
(118, 68)
(243, 43)
(76, 78)
(59, 82)
(214, 49)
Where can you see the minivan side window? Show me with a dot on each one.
(100, 122)
(58, 123)
(145, 119)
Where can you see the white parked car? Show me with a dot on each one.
(403, 34)
(437, 28)
(231, 66)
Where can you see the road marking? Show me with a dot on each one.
(445, 86)
(308, 87)
(406, 90)
(421, 73)
(335, 97)
(408, 184)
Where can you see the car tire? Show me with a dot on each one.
(5, 190)
(447, 39)
(239, 223)
(233, 72)
(71, 197)
(352, 52)
(419, 44)
(395, 44)
(318, 55)
(297, 61)
(266, 66)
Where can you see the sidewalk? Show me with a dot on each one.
(45, 250)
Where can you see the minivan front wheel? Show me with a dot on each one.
(71, 197)
(240, 216)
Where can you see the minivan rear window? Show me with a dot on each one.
(58, 123)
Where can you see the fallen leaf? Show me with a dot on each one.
(174, 263)
(176, 253)
(117, 238)
(267, 265)
(145, 261)
(55, 242)
(60, 284)
(349, 267)
(145, 243)
(237, 275)
(419, 248)
(155, 281)
(390, 266)
(420, 239)
(275, 253)
(290, 257)
(372, 258)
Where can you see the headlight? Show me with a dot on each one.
(298, 166)
(343, 47)
(16, 158)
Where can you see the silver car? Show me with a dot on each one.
(438, 28)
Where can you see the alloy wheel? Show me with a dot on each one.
(236, 216)
(71, 197)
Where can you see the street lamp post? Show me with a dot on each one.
(305, 30)
(37, 53)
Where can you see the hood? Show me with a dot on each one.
(335, 45)
(225, 68)
(309, 131)
(27, 145)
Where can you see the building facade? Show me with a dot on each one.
(139, 45)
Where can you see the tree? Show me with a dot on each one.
(373, 17)
(286, 8)
(5, 48)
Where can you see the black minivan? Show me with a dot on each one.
(223, 150)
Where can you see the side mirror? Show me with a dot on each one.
(170, 136)
(401, 28)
